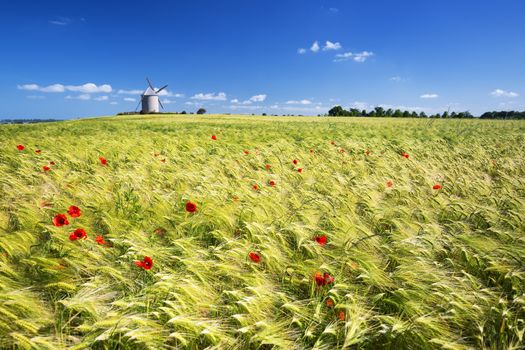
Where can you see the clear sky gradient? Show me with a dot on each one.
(67, 59)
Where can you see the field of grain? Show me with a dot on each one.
(424, 223)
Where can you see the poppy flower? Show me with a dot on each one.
(333, 143)
(52, 163)
(160, 231)
(103, 160)
(38, 151)
(300, 170)
(256, 258)
(213, 137)
(436, 187)
(342, 315)
(191, 207)
(46, 168)
(255, 187)
(367, 152)
(79, 233)
(268, 166)
(20, 147)
(329, 303)
(100, 240)
(235, 198)
(146, 263)
(272, 183)
(312, 151)
(163, 160)
(60, 220)
(389, 183)
(295, 161)
(319, 280)
(328, 279)
(74, 211)
(321, 240)
(405, 155)
(342, 150)
(246, 151)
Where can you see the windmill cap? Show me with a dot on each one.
(149, 92)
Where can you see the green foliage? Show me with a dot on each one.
(414, 268)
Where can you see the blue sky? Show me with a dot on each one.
(86, 58)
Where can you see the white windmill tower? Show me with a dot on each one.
(150, 99)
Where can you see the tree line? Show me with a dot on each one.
(339, 111)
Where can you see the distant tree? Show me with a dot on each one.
(201, 111)
(336, 111)
(414, 114)
(372, 113)
(380, 112)
(389, 112)
(183, 112)
(397, 114)
(445, 115)
(354, 112)
(453, 115)
(364, 113)
(422, 115)
(264, 114)
(406, 114)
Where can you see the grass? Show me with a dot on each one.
(414, 268)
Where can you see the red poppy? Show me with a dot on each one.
(319, 280)
(77, 234)
(191, 207)
(300, 170)
(405, 155)
(272, 183)
(329, 303)
(367, 152)
(246, 151)
(256, 258)
(38, 151)
(312, 151)
(328, 279)
(321, 239)
(436, 187)
(100, 240)
(295, 161)
(46, 168)
(213, 137)
(389, 183)
(146, 263)
(268, 166)
(235, 198)
(333, 143)
(341, 150)
(52, 163)
(255, 187)
(20, 147)
(342, 315)
(163, 160)
(60, 220)
(103, 160)
(74, 211)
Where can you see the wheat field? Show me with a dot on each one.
(395, 233)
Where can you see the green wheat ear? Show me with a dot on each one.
(414, 268)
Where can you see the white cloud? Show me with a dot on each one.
(503, 93)
(167, 101)
(234, 100)
(88, 88)
(130, 92)
(53, 88)
(83, 97)
(359, 57)
(113, 103)
(129, 99)
(101, 98)
(315, 47)
(258, 98)
(331, 46)
(397, 78)
(221, 96)
(333, 9)
(301, 51)
(36, 97)
(301, 102)
(61, 21)
(429, 96)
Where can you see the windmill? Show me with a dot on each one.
(150, 99)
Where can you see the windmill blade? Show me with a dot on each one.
(161, 104)
(162, 88)
(150, 85)
(138, 104)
